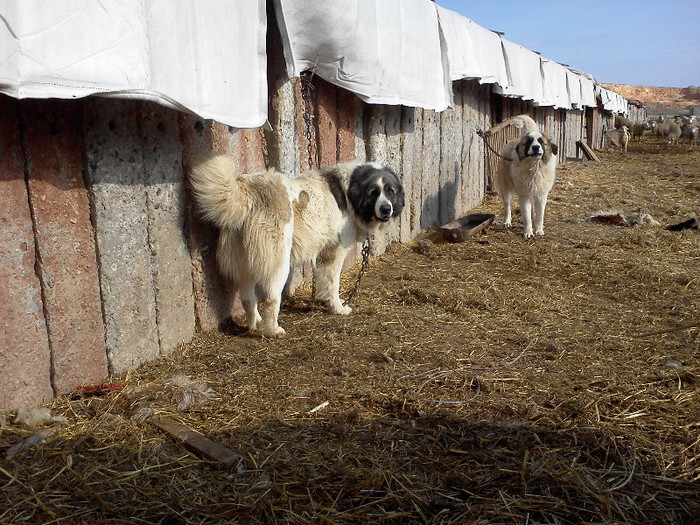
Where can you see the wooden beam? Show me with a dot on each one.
(587, 151)
(196, 442)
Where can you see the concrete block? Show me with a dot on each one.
(65, 241)
(448, 179)
(327, 123)
(282, 140)
(376, 142)
(25, 362)
(213, 295)
(165, 195)
(361, 111)
(393, 160)
(415, 201)
(117, 186)
(431, 169)
(406, 172)
(346, 125)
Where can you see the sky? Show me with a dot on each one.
(642, 42)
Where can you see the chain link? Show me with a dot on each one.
(363, 268)
(307, 89)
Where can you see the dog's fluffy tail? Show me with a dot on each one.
(221, 195)
(523, 122)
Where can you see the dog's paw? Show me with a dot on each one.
(539, 232)
(340, 309)
(277, 331)
(507, 224)
(528, 235)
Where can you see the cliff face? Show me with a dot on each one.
(660, 100)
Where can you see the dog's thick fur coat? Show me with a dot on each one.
(527, 171)
(270, 222)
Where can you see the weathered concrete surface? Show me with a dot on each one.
(431, 169)
(170, 258)
(406, 173)
(346, 125)
(213, 295)
(449, 173)
(377, 151)
(393, 160)
(327, 124)
(282, 138)
(117, 184)
(65, 241)
(25, 362)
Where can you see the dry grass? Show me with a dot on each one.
(495, 381)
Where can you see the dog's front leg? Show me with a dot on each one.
(327, 273)
(539, 215)
(507, 205)
(526, 213)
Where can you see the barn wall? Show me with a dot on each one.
(106, 263)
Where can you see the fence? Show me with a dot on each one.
(108, 266)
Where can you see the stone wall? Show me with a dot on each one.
(106, 265)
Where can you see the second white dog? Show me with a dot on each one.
(527, 172)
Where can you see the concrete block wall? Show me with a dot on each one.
(105, 263)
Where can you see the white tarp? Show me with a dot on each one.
(524, 78)
(612, 101)
(206, 56)
(473, 52)
(573, 86)
(554, 82)
(385, 51)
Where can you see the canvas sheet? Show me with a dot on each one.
(524, 77)
(555, 87)
(385, 51)
(473, 52)
(207, 56)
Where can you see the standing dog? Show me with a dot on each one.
(624, 137)
(269, 221)
(527, 171)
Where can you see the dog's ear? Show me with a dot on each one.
(555, 148)
(521, 148)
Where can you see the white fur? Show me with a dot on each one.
(270, 222)
(530, 178)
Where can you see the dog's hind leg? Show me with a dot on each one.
(327, 274)
(271, 305)
(249, 301)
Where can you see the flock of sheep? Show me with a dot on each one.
(672, 130)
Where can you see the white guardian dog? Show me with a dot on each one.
(526, 171)
(270, 222)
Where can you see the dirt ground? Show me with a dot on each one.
(498, 380)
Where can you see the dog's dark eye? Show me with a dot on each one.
(389, 190)
(375, 192)
(540, 140)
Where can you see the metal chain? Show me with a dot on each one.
(482, 134)
(363, 268)
(307, 88)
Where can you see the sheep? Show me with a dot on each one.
(661, 129)
(690, 132)
(674, 133)
(638, 129)
(622, 121)
(624, 137)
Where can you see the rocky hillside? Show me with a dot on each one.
(660, 100)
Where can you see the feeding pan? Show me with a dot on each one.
(461, 229)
